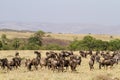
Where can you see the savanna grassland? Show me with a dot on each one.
(83, 72)
(67, 36)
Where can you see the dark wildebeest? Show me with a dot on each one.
(16, 62)
(73, 64)
(74, 61)
(77, 58)
(106, 63)
(38, 55)
(90, 52)
(35, 61)
(65, 54)
(83, 54)
(97, 58)
(4, 63)
(91, 62)
(51, 54)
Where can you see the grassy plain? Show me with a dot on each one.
(83, 72)
(105, 37)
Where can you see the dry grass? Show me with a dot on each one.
(12, 35)
(83, 72)
(104, 37)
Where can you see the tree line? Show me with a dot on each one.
(91, 43)
(34, 42)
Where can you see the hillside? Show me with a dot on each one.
(62, 28)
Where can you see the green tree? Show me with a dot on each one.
(39, 34)
(114, 45)
(1, 45)
(15, 43)
(36, 40)
(4, 39)
(89, 42)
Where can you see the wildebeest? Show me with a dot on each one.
(106, 63)
(73, 64)
(97, 58)
(4, 63)
(16, 62)
(35, 61)
(91, 62)
(74, 61)
(83, 54)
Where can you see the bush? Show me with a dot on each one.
(53, 47)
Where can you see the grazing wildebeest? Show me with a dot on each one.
(106, 63)
(16, 62)
(65, 54)
(83, 54)
(4, 63)
(51, 54)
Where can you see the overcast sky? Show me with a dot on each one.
(105, 12)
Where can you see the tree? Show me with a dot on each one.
(39, 34)
(36, 39)
(4, 39)
(16, 43)
(1, 45)
(114, 44)
(89, 42)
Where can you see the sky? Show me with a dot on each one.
(104, 12)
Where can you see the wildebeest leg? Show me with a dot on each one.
(36, 67)
(53, 68)
(9, 67)
(90, 67)
(67, 68)
(29, 67)
(41, 65)
(106, 67)
(62, 68)
(99, 65)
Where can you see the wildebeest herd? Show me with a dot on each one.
(62, 61)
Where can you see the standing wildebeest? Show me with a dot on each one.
(97, 58)
(91, 62)
(74, 61)
(35, 61)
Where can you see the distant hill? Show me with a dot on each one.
(11, 30)
(62, 28)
